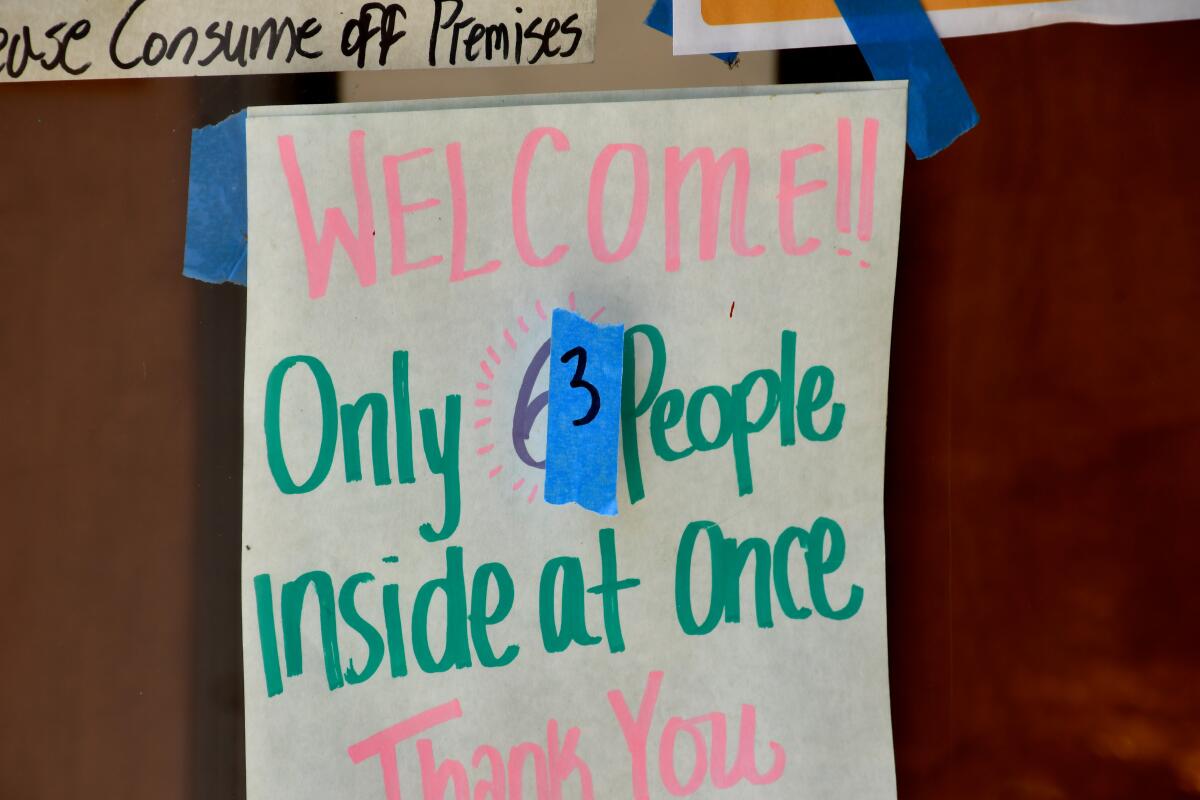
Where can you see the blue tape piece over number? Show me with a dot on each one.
(662, 19)
(215, 250)
(899, 42)
(584, 414)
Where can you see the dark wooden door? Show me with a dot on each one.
(1043, 464)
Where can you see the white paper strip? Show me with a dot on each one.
(70, 39)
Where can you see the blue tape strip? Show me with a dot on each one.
(898, 41)
(215, 250)
(582, 422)
(662, 19)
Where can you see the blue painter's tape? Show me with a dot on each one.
(662, 19)
(584, 415)
(899, 42)
(215, 250)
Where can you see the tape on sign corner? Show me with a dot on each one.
(584, 412)
(898, 42)
(215, 249)
(662, 19)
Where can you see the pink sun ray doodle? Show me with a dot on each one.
(491, 366)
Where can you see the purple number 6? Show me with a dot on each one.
(527, 409)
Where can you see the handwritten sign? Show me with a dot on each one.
(418, 620)
(66, 39)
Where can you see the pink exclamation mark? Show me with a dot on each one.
(845, 166)
(866, 191)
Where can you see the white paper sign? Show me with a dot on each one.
(418, 621)
(71, 39)
(709, 26)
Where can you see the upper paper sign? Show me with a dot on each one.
(702, 26)
(64, 39)
(418, 621)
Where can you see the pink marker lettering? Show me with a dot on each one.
(318, 252)
(383, 744)
(436, 778)
(666, 757)
(516, 764)
(397, 209)
(744, 766)
(712, 181)
(845, 161)
(788, 192)
(709, 758)
(458, 201)
(637, 732)
(637, 214)
(564, 761)
(495, 788)
(866, 192)
(520, 187)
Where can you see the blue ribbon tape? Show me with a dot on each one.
(584, 413)
(899, 42)
(662, 19)
(215, 250)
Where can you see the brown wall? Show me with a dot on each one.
(1043, 455)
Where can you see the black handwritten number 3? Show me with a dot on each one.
(577, 382)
